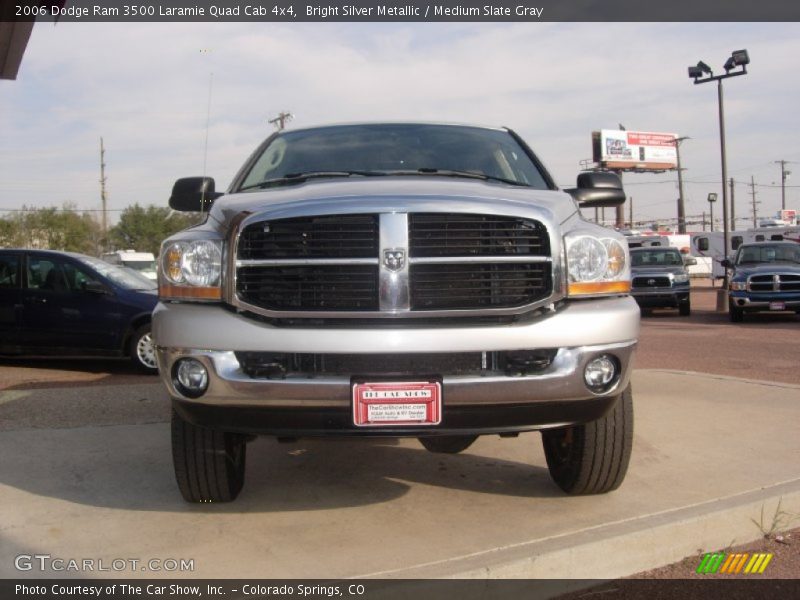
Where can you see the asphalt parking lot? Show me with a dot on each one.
(87, 474)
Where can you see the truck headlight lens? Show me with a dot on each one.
(596, 265)
(682, 278)
(738, 286)
(191, 270)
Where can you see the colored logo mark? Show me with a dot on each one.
(733, 564)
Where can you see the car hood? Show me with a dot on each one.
(397, 194)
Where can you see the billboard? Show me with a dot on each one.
(634, 150)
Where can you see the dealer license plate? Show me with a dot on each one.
(777, 306)
(397, 403)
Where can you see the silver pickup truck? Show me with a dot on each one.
(415, 280)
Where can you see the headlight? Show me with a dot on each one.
(682, 278)
(738, 286)
(596, 265)
(191, 270)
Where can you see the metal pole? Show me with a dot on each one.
(681, 205)
(733, 206)
(725, 233)
(711, 217)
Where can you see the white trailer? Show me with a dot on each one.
(710, 244)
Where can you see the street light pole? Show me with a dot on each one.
(738, 58)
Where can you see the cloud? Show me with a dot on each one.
(145, 89)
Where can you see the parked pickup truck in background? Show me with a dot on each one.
(414, 280)
(660, 278)
(766, 277)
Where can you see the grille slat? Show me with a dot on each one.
(444, 234)
(328, 236)
(471, 285)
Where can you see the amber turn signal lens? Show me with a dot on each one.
(599, 287)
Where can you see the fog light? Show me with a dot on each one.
(191, 377)
(601, 373)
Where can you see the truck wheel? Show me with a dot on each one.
(685, 309)
(736, 313)
(447, 444)
(143, 351)
(209, 464)
(592, 458)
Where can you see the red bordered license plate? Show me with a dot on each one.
(397, 403)
(777, 306)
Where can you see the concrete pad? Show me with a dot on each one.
(710, 454)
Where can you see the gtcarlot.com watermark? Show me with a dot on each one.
(48, 563)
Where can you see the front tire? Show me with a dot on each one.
(447, 444)
(592, 458)
(209, 464)
(143, 351)
(685, 309)
(736, 313)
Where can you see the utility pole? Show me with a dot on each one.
(103, 190)
(681, 205)
(281, 120)
(784, 176)
(753, 192)
(630, 212)
(733, 209)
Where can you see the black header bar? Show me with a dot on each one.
(359, 11)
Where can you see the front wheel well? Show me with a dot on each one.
(137, 322)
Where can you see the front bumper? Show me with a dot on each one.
(321, 405)
(661, 297)
(762, 301)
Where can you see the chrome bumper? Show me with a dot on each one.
(579, 331)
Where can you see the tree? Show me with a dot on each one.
(144, 228)
(51, 228)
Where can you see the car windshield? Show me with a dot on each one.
(126, 278)
(656, 257)
(393, 149)
(768, 253)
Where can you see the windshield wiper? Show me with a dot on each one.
(303, 176)
(457, 173)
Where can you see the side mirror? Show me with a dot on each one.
(95, 287)
(193, 194)
(690, 261)
(726, 263)
(598, 188)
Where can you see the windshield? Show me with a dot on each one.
(395, 149)
(768, 253)
(656, 257)
(123, 277)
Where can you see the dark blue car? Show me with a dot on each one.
(766, 277)
(66, 304)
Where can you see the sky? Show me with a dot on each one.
(173, 100)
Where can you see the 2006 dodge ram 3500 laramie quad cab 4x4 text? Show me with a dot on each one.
(418, 280)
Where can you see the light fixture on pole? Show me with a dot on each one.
(702, 73)
(712, 197)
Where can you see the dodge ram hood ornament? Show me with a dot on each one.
(394, 259)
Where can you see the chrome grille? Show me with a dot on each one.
(783, 282)
(651, 282)
(302, 267)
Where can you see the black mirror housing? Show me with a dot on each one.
(597, 189)
(193, 194)
(95, 287)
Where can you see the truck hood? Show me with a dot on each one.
(656, 271)
(397, 194)
(767, 269)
